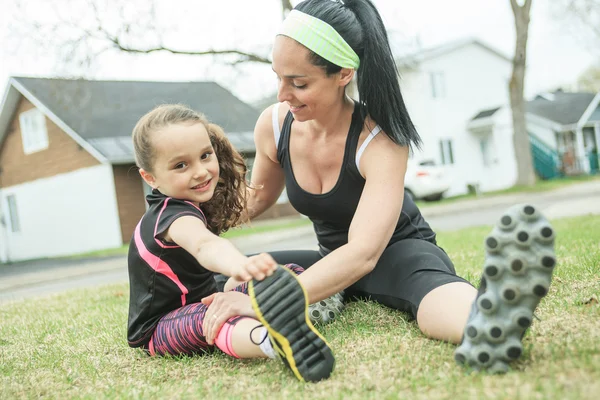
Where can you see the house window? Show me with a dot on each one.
(13, 214)
(438, 88)
(33, 131)
(446, 151)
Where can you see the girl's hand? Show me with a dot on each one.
(221, 307)
(258, 267)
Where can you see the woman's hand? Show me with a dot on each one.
(221, 307)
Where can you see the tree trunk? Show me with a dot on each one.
(525, 171)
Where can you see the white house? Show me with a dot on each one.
(458, 97)
(443, 89)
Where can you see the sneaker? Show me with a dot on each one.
(281, 305)
(517, 272)
(326, 311)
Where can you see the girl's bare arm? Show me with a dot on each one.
(215, 253)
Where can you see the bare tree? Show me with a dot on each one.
(589, 80)
(585, 13)
(121, 25)
(525, 172)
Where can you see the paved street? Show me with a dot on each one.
(581, 199)
(48, 277)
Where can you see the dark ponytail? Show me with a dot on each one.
(360, 24)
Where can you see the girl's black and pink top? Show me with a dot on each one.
(162, 275)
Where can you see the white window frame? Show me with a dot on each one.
(446, 152)
(438, 87)
(34, 133)
(13, 213)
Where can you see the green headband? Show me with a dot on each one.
(319, 37)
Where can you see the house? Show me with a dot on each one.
(564, 133)
(458, 96)
(443, 88)
(68, 183)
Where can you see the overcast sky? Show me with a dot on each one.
(557, 54)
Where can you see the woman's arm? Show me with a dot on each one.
(217, 254)
(267, 175)
(383, 165)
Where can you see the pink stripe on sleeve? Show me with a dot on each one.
(157, 264)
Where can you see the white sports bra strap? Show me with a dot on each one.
(276, 130)
(362, 148)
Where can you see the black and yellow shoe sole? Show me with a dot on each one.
(281, 305)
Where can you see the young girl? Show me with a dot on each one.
(199, 187)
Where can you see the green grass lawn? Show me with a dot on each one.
(73, 346)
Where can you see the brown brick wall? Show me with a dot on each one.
(130, 198)
(62, 155)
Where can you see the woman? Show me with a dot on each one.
(343, 165)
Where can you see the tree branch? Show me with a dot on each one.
(588, 12)
(115, 26)
(245, 56)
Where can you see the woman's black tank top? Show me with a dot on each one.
(332, 212)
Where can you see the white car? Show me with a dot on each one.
(425, 180)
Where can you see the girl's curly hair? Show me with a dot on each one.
(226, 208)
